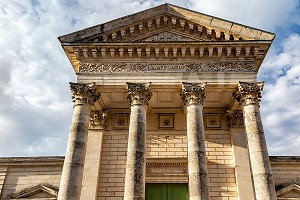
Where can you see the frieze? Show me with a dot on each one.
(238, 66)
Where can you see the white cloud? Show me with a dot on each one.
(35, 104)
(281, 99)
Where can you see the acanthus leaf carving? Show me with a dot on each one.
(138, 93)
(235, 118)
(192, 93)
(84, 93)
(97, 119)
(249, 93)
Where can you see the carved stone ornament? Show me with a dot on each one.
(84, 93)
(97, 119)
(238, 66)
(166, 36)
(120, 121)
(166, 120)
(212, 121)
(235, 118)
(138, 93)
(249, 93)
(192, 93)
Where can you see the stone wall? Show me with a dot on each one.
(167, 148)
(19, 174)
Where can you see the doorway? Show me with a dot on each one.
(167, 191)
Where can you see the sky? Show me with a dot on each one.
(35, 100)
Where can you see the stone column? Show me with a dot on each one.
(249, 94)
(93, 155)
(71, 180)
(242, 170)
(138, 97)
(193, 96)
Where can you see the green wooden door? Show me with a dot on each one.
(166, 191)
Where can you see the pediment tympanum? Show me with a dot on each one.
(37, 192)
(289, 192)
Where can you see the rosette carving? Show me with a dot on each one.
(138, 93)
(249, 93)
(97, 119)
(84, 93)
(192, 93)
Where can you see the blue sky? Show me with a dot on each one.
(35, 101)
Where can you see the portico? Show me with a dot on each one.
(179, 104)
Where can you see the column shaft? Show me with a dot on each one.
(193, 96)
(197, 167)
(136, 161)
(249, 94)
(71, 178)
(260, 164)
(138, 95)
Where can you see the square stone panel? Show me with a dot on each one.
(120, 121)
(166, 121)
(212, 121)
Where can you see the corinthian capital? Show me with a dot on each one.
(192, 93)
(235, 118)
(249, 93)
(84, 93)
(138, 93)
(97, 119)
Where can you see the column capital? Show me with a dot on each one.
(84, 93)
(249, 93)
(192, 93)
(235, 118)
(138, 93)
(97, 119)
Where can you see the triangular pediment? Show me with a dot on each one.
(36, 192)
(289, 192)
(166, 20)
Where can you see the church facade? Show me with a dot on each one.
(166, 107)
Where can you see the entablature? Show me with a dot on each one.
(179, 51)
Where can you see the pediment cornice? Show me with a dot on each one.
(167, 16)
(50, 190)
(167, 32)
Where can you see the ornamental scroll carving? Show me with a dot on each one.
(166, 36)
(138, 93)
(84, 93)
(249, 93)
(97, 119)
(238, 66)
(192, 93)
(235, 118)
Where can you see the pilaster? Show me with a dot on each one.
(242, 168)
(93, 155)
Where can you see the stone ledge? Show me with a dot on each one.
(48, 160)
